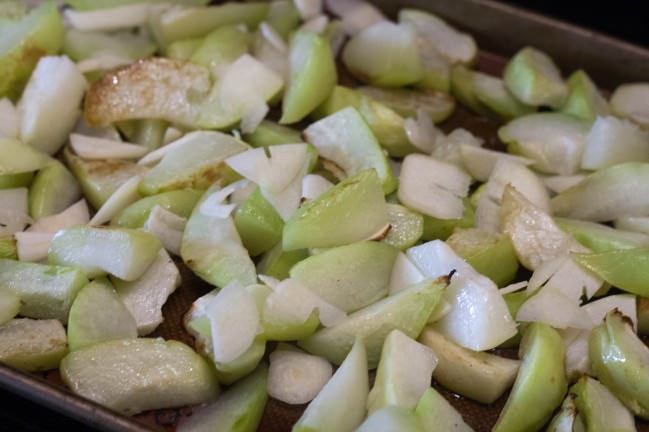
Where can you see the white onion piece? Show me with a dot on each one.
(433, 187)
(172, 134)
(114, 18)
(552, 307)
(102, 62)
(514, 287)
(632, 223)
(631, 101)
(308, 8)
(269, 281)
(625, 303)
(33, 246)
(252, 119)
(577, 360)
(14, 213)
(215, 204)
(123, 196)
(612, 141)
(107, 132)
(234, 322)
(156, 155)
(88, 147)
(76, 214)
(269, 33)
(337, 37)
(421, 132)
(356, 15)
(291, 301)
(558, 184)
(447, 148)
(314, 185)
(272, 52)
(507, 171)
(295, 377)
(404, 274)
(9, 119)
(574, 281)
(168, 227)
(544, 272)
(479, 162)
(317, 24)
(440, 311)
(145, 296)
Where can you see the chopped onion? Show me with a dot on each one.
(514, 287)
(308, 8)
(252, 119)
(625, 303)
(234, 322)
(293, 302)
(9, 119)
(102, 61)
(269, 281)
(558, 184)
(314, 185)
(404, 274)
(33, 246)
(124, 196)
(214, 205)
(421, 132)
(356, 15)
(295, 377)
(14, 215)
(76, 214)
(552, 307)
(88, 147)
(167, 227)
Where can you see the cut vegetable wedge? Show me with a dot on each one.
(32, 345)
(135, 375)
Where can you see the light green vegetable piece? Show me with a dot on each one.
(9, 305)
(384, 54)
(534, 79)
(346, 139)
(19, 158)
(8, 248)
(584, 100)
(358, 200)
(406, 227)
(436, 228)
(183, 49)
(212, 248)
(135, 375)
(121, 252)
(11, 181)
(599, 409)
(89, 5)
(602, 238)
(32, 345)
(258, 223)
(408, 310)
(391, 418)
(195, 162)
(98, 315)
(283, 16)
(100, 178)
(194, 22)
(605, 195)
(436, 414)
(80, 44)
(340, 405)
(490, 254)
(540, 383)
(349, 277)
(568, 418)
(403, 375)
(406, 102)
(312, 76)
(620, 360)
(24, 41)
(179, 202)
(277, 263)
(478, 375)
(53, 190)
(387, 125)
(239, 409)
(45, 291)
(221, 47)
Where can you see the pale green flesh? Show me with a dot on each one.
(121, 252)
(599, 408)
(239, 409)
(391, 418)
(135, 375)
(32, 345)
(98, 315)
(540, 383)
(358, 199)
(179, 202)
(258, 224)
(435, 413)
(408, 310)
(45, 291)
(349, 277)
(53, 190)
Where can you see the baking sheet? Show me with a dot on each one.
(498, 29)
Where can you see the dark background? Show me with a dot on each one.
(623, 19)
